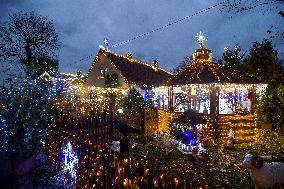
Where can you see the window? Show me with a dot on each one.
(102, 72)
(234, 99)
(195, 97)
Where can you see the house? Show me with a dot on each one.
(112, 70)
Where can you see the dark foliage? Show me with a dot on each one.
(186, 61)
(262, 62)
(111, 80)
(233, 58)
(44, 64)
(134, 102)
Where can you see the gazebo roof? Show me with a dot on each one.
(204, 71)
(209, 72)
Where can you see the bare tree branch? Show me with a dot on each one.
(238, 6)
(27, 36)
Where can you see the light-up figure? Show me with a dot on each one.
(106, 42)
(70, 161)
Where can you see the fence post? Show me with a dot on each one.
(143, 121)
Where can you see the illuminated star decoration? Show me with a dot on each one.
(70, 161)
(106, 42)
(200, 38)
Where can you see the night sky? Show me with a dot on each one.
(83, 25)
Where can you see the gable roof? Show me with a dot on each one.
(135, 71)
(210, 72)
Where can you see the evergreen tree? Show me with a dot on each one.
(233, 58)
(262, 62)
(133, 102)
(111, 81)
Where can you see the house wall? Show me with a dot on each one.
(94, 79)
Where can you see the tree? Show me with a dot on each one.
(271, 107)
(44, 64)
(133, 102)
(187, 60)
(27, 117)
(239, 6)
(263, 63)
(266, 6)
(26, 37)
(112, 80)
(233, 58)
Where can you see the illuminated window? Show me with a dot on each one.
(194, 97)
(234, 99)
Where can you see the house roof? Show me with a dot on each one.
(210, 72)
(135, 71)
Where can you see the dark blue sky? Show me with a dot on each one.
(83, 25)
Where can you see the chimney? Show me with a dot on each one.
(156, 64)
(129, 55)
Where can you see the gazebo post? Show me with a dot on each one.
(214, 109)
(253, 100)
(170, 100)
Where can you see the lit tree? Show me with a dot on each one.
(27, 36)
(26, 118)
(133, 102)
(271, 108)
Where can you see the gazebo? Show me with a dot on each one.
(218, 92)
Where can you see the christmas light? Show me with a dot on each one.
(70, 161)
(200, 38)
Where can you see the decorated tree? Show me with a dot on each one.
(111, 81)
(263, 63)
(27, 117)
(133, 102)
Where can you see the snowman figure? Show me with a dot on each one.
(115, 146)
